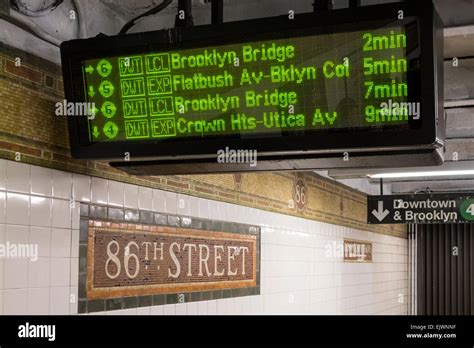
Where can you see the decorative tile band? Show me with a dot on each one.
(134, 258)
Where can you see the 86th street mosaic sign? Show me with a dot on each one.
(136, 259)
(420, 208)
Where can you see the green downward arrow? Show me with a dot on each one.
(96, 132)
(90, 69)
(91, 92)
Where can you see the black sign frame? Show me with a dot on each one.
(419, 134)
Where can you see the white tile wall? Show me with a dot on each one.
(15, 301)
(61, 213)
(39, 273)
(81, 187)
(298, 276)
(41, 181)
(60, 242)
(116, 193)
(171, 202)
(155, 310)
(3, 202)
(159, 201)
(145, 198)
(3, 175)
(40, 211)
(131, 196)
(99, 190)
(42, 237)
(18, 177)
(38, 301)
(59, 300)
(60, 272)
(18, 208)
(2, 240)
(62, 184)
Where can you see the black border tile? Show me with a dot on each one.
(186, 221)
(82, 306)
(227, 293)
(83, 230)
(161, 219)
(116, 214)
(173, 220)
(158, 300)
(195, 296)
(146, 217)
(113, 304)
(84, 210)
(171, 298)
(132, 215)
(206, 295)
(197, 224)
(98, 212)
(129, 302)
(82, 258)
(216, 294)
(144, 301)
(95, 306)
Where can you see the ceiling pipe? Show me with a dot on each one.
(25, 22)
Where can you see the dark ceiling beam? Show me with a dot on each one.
(323, 5)
(187, 7)
(355, 3)
(217, 11)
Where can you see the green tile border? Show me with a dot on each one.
(147, 217)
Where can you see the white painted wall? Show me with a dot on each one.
(297, 277)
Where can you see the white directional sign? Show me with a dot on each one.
(420, 208)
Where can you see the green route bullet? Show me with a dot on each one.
(106, 88)
(110, 130)
(108, 109)
(104, 68)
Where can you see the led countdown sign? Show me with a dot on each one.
(293, 85)
(265, 86)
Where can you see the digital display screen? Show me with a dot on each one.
(351, 80)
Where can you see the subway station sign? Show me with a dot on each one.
(317, 82)
(420, 208)
(129, 259)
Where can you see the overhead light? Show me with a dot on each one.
(455, 169)
(421, 174)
